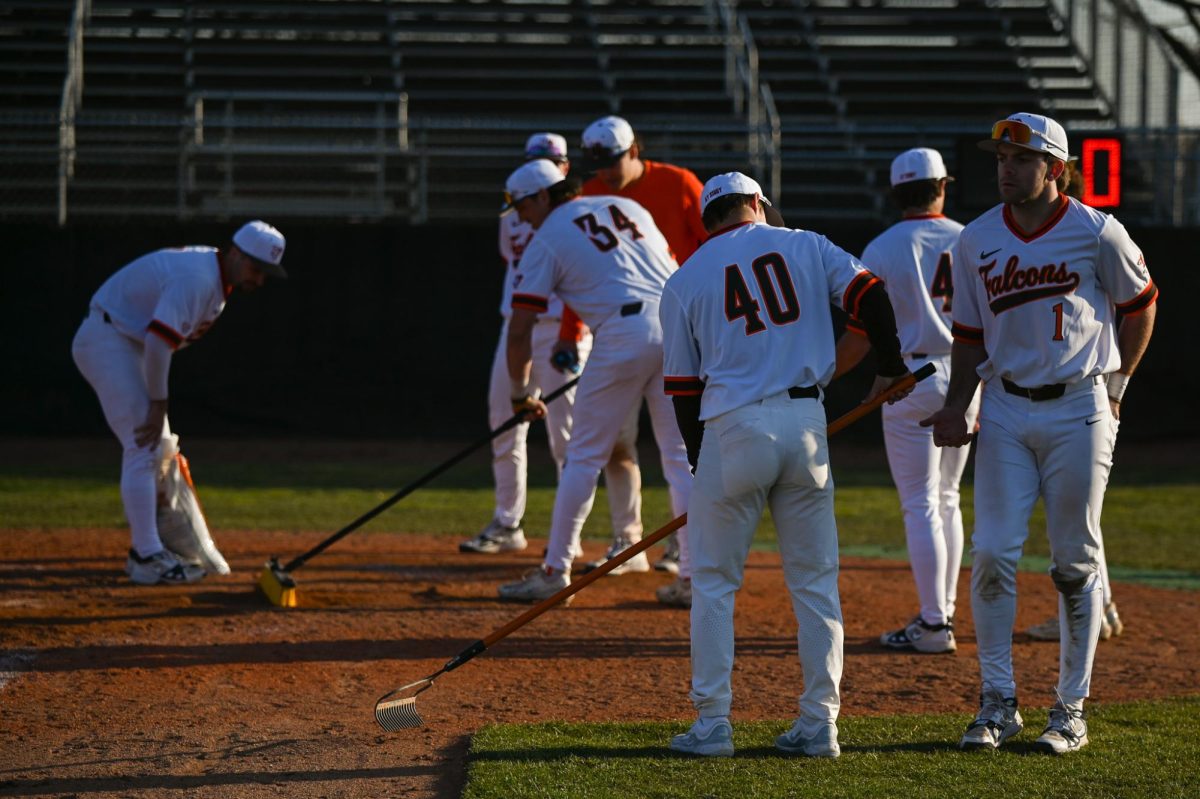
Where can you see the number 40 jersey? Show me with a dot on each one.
(755, 300)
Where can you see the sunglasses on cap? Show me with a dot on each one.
(1016, 132)
(511, 202)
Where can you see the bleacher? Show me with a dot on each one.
(416, 109)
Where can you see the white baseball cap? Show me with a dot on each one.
(546, 145)
(606, 140)
(919, 163)
(1031, 131)
(730, 183)
(264, 244)
(527, 180)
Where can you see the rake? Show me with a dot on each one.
(276, 582)
(397, 709)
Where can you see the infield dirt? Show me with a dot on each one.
(108, 689)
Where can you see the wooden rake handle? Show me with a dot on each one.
(583, 582)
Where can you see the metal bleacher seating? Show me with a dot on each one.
(417, 109)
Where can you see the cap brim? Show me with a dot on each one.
(270, 269)
(590, 163)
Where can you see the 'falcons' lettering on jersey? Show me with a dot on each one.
(1019, 285)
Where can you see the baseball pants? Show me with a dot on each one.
(509, 451)
(769, 453)
(625, 367)
(112, 364)
(1060, 450)
(927, 479)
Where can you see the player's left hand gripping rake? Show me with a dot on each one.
(397, 709)
(276, 583)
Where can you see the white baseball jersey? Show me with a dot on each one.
(1048, 295)
(514, 238)
(628, 259)
(177, 294)
(754, 299)
(913, 258)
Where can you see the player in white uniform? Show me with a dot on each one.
(748, 346)
(509, 459)
(1039, 283)
(606, 259)
(913, 260)
(138, 318)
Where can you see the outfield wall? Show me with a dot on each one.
(387, 331)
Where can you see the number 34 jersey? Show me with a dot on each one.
(597, 254)
(1043, 304)
(747, 316)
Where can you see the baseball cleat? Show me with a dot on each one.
(1066, 731)
(162, 567)
(669, 562)
(536, 585)
(717, 743)
(997, 721)
(823, 744)
(920, 636)
(496, 538)
(637, 564)
(677, 594)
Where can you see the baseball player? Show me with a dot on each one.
(672, 196)
(748, 343)
(1040, 281)
(913, 259)
(606, 259)
(1070, 183)
(138, 318)
(503, 533)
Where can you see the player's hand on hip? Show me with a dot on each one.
(149, 432)
(529, 405)
(949, 428)
(882, 384)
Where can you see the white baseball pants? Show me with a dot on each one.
(112, 364)
(1060, 450)
(509, 451)
(625, 367)
(927, 478)
(772, 452)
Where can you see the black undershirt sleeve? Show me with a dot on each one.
(687, 416)
(876, 314)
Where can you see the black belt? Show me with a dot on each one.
(918, 355)
(1040, 394)
(631, 309)
(804, 392)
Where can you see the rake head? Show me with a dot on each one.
(397, 710)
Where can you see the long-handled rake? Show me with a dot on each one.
(397, 709)
(276, 582)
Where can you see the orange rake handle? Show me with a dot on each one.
(583, 582)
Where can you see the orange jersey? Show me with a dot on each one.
(672, 196)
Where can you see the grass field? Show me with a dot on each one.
(1150, 515)
(1146, 749)
(1140, 750)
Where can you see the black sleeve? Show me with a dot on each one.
(876, 315)
(687, 416)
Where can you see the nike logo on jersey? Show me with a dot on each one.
(983, 256)
(1091, 422)
(1019, 285)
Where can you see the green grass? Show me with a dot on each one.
(1144, 749)
(1151, 513)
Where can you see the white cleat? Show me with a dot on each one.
(162, 567)
(717, 743)
(635, 565)
(996, 722)
(536, 585)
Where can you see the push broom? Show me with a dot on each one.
(397, 709)
(276, 582)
